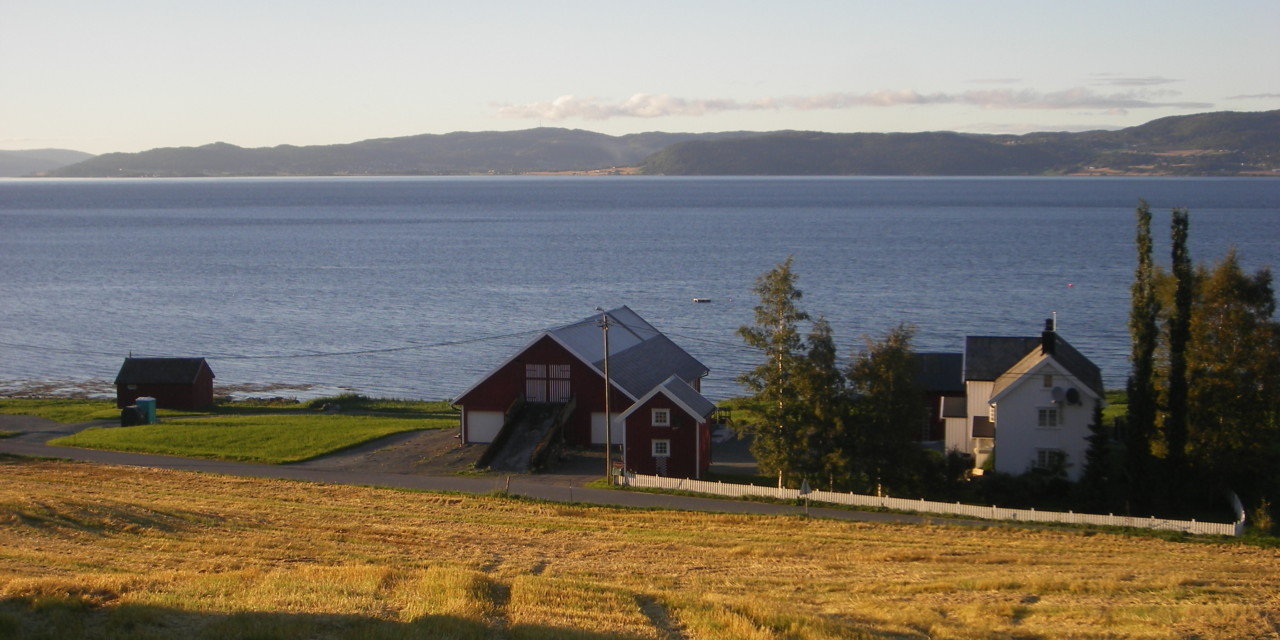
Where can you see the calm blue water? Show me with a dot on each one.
(434, 281)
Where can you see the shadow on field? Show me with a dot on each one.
(83, 616)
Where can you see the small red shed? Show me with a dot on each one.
(668, 432)
(175, 383)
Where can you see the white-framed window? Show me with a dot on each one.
(1047, 417)
(661, 417)
(1048, 380)
(1050, 458)
(661, 448)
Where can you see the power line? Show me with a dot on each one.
(327, 354)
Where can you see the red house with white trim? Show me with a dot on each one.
(565, 366)
(668, 432)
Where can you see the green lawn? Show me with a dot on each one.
(251, 431)
(65, 410)
(273, 439)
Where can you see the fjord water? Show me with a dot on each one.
(415, 287)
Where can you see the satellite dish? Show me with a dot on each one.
(1073, 395)
(1059, 394)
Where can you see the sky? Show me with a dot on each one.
(132, 75)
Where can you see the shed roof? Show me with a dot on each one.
(692, 402)
(161, 370)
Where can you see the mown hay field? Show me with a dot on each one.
(89, 551)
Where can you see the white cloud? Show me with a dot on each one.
(645, 105)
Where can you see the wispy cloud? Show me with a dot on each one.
(645, 105)
(1133, 81)
(1255, 96)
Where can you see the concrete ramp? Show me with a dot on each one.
(514, 449)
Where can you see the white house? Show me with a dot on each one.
(1028, 401)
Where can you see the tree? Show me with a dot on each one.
(1099, 463)
(821, 385)
(887, 410)
(1175, 419)
(1144, 312)
(1233, 371)
(779, 443)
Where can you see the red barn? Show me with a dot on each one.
(565, 366)
(175, 383)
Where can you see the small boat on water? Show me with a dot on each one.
(702, 300)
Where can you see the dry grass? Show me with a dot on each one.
(106, 552)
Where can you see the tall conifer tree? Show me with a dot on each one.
(1175, 421)
(778, 445)
(1144, 332)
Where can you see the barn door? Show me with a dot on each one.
(535, 382)
(546, 383)
(558, 383)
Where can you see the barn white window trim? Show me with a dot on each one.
(661, 417)
(661, 448)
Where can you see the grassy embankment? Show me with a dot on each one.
(272, 433)
(108, 552)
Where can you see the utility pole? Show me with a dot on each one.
(608, 417)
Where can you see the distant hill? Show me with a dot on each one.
(15, 164)
(1225, 143)
(531, 150)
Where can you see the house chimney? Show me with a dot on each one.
(1048, 339)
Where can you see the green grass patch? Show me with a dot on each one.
(1117, 406)
(272, 439)
(64, 410)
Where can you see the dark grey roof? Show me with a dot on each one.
(940, 372)
(986, 357)
(640, 357)
(161, 370)
(1078, 365)
(955, 407)
(680, 390)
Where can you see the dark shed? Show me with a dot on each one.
(175, 383)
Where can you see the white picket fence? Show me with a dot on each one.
(941, 508)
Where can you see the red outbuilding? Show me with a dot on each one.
(175, 383)
(668, 432)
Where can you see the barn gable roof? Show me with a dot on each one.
(640, 356)
(161, 370)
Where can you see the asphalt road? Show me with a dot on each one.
(33, 433)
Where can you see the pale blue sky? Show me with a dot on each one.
(130, 75)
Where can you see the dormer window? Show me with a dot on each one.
(661, 417)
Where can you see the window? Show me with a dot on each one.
(661, 417)
(661, 448)
(1047, 418)
(1048, 380)
(1050, 459)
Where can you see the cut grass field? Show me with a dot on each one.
(266, 439)
(90, 551)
